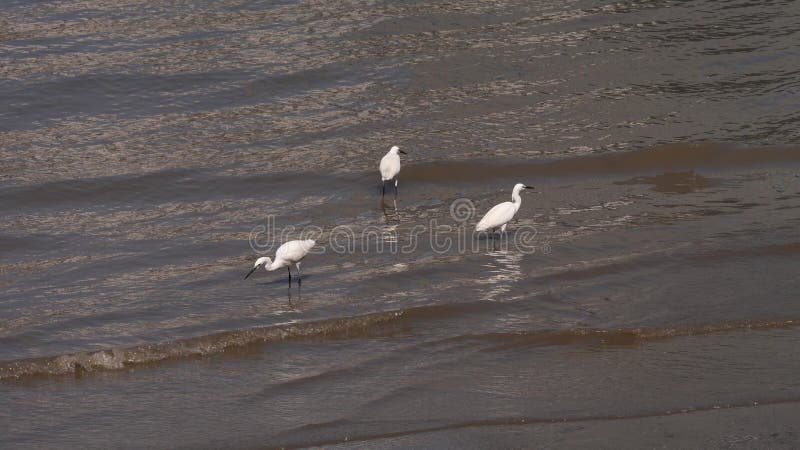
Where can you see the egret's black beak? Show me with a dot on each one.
(400, 151)
(528, 187)
(251, 272)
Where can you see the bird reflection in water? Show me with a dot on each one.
(504, 271)
(299, 297)
(390, 212)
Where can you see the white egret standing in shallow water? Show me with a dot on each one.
(289, 253)
(390, 167)
(501, 214)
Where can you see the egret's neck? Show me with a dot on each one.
(515, 198)
(271, 266)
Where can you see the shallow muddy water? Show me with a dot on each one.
(150, 150)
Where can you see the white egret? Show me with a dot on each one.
(390, 167)
(289, 253)
(501, 214)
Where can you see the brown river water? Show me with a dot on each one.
(646, 294)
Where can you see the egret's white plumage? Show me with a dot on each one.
(501, 214)
(289, 253)
(390, 166)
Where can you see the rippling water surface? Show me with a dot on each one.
(145, 145)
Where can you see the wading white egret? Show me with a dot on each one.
(390, 167)
(501, 214)
(289, 253)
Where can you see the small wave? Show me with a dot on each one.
(622, 336)
(113, 359)
(81, 363)
(367, 325)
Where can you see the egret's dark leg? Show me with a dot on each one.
(383, 188)
(290, 275)
(395, 188)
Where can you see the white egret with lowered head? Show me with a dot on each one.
(289, 253)
(390, 167)
(501, 214)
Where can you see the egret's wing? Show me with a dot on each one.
(294, 251)
(390, 166)
(497, 216)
